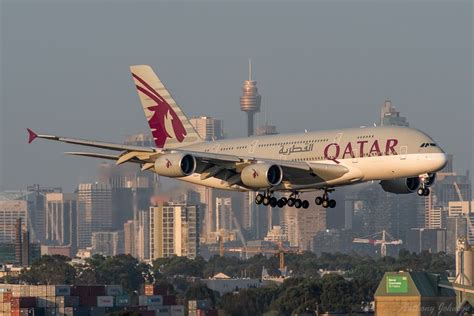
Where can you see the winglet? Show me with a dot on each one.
(31, 135)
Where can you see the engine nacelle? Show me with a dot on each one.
(175, 165)
(401, 185)
(261, 175)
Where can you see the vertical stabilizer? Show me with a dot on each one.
(169, 126)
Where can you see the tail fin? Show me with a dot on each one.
(169, 126)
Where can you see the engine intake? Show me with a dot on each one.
(261, 175)
(401, 185)
(175, 165)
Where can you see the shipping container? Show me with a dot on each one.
(58, 290)
(6, 297)
(150, 300)
(51, 312)
(169, 300)
(15, 312)
(177, 310)
(74, 311)
(67, 301)
(23, 302)
(32, 312)
(88, 301)
(155, 289)
(122, 300)
(113, 290)
(97, 311)
(105, 301)
(38, 290)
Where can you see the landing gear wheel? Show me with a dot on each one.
(305, 204)
(259, 199)
(332, 203)
(421, 191)
(284, 200)
(426, 192)
(281, 203)
(291, 202)
(273, 201)
(266, 200)
(318, 200)
(298, 203)
(325, 203)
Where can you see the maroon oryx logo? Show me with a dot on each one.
(162, 112)
(168, 163)
(255, 173)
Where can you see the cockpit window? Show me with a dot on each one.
(428, 144)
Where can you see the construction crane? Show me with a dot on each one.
(383, 241)
(458, 191)
(280, 252)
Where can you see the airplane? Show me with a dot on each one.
(404, 160)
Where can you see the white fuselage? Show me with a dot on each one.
(376, 153)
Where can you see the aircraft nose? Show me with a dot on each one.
(441, 160)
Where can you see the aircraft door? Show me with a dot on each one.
(252, 146)
(403, 152)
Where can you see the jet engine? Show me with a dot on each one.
(401, 185)
(261, 175)
(175, 165)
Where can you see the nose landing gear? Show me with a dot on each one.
(423, 190)
(324, 200)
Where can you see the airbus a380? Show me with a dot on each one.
(404, 160)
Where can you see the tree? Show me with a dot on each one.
(49, 270)
(337, 294)
(121, 269)
(178, 266)
(199, 291)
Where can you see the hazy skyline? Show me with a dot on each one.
(320, 65)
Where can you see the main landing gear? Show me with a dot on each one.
(324, 200)
(269, 199)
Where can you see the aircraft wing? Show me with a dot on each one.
(89, 143)
(222, 166)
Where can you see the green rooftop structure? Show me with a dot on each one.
(414, 293)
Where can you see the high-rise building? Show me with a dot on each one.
(452, 187)
(10, 212)
(36, 197)
(331, 241)
(463, 209)
(426, 239)
(106, 243)
(207, 202)
(435, 217)
(207, 127)
(266, 129)
(224, 214)
(61, 219)
(131, 190)
(94, 211)
(174, 230)
(381, 210)
(129, 238)
(301, 225)
(456, 227)
(141, 235)
(390, 116)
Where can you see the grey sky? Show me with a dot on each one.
(319, 65)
